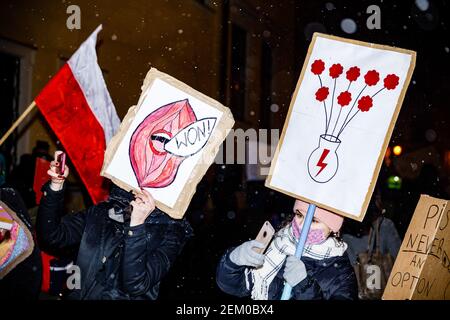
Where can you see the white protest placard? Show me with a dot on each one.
(167, 142)
(339, 123)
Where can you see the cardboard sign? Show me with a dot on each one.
(166, 143)
(15, 250)
(422, 268)
(339, 123)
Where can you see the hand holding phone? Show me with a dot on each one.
(61, 160)
(264, 236)
(58, 171)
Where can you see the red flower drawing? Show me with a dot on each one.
(317, 67)
(391, 81)
(336, 70)
(372, 77)
(365, 103)
(322, 94)
(353, 73)
(344, 98)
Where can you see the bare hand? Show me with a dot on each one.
(143, 206)
(57, 180)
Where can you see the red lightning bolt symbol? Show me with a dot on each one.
(320, 163)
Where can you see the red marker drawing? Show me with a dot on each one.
(320, 163)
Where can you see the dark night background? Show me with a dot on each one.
(236, 41)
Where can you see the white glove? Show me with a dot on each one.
(294, 271)
(244, 255)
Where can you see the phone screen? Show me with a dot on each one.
(265, 236)
(61, 159)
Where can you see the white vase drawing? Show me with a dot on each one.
(323, 162)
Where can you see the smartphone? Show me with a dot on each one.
(61, 159)
(264, 236)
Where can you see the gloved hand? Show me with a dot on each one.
(244, 255)
(294, 271)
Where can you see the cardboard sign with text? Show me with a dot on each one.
(422, 268)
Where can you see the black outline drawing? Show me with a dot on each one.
(325, 158)
(322, 158)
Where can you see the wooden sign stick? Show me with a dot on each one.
(287, 291)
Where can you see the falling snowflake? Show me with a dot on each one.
(274, 108)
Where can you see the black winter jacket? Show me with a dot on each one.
(24, 281)
(116, 261)
(328, 279)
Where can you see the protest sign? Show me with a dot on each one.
(339, 123)
(422, 268)
(166, 143)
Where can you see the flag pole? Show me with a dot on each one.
(17, 122)
(300, 246)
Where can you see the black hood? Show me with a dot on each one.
(120, 200)
(13, 200)
(119, 194)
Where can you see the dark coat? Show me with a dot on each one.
(24, 281)
(116, 261)
(331, 278)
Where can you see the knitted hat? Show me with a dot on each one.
(332, 220)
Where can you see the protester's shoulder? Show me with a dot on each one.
(338, 271)
(338, 261)
(159, 217)
(11, 197)
(341, 264)
(8, 194)
(97, 211)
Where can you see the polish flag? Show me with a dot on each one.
(79, 109)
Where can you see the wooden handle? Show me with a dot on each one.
(17, 122)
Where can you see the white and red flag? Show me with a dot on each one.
(79, 109)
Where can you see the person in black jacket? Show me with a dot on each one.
(20, 258)
(126, 245)
(323, 272)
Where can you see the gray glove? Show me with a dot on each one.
(244, 255)
(294, 271)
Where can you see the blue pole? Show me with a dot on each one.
(300, 246)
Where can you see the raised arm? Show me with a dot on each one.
(55, 232)
(233, 272)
